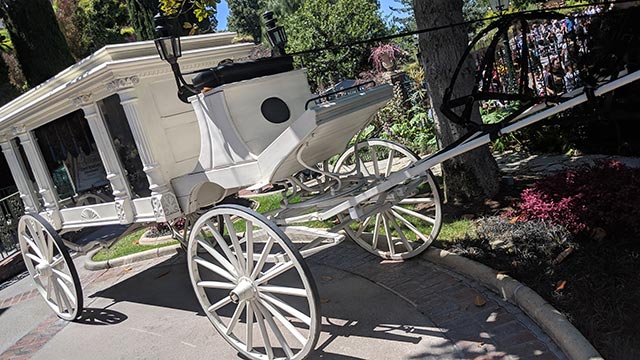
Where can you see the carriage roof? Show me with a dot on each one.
(105, 71)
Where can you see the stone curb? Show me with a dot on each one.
(128, 259)
(556, 325)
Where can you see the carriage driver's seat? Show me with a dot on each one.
(238, 71)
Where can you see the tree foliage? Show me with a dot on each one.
(245, 17)
(283, 8)
(195, 16)
(39, 45)
(141, 13)
(332, 22)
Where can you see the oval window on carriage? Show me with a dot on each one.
(275, 110)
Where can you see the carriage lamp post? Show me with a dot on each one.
(500, 6)
(169, 49)
(276, 33)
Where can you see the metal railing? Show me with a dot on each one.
(11, 209)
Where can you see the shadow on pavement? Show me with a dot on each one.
(166, 284)
(94, 316)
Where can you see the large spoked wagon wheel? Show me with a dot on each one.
(253, 284)
(50, 266)
(400, 229)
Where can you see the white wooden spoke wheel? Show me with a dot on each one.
(401, 229)
(253, 284)
(50, 266)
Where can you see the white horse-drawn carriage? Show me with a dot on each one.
(111, 135)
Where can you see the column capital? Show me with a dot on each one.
(122, 83)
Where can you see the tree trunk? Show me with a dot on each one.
(472, 176)
(38, 42)
(7, 91)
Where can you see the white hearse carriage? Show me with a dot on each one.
(107, 141)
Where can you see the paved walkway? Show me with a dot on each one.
(371, 309)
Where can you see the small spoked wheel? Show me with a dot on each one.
(50, 266)
(402, 228)
(253, 285)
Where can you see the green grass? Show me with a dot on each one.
(453, 231)
(127, 245)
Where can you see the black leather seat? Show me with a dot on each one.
(234, 72)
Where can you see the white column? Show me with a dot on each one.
(43, 178)
(165, 204)
(112, 166)
(20, 176)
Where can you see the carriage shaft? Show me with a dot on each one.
(476, 140)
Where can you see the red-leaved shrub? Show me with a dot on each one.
(605, 196)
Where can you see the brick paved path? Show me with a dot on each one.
(497, 330)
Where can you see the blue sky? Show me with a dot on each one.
(223, 11)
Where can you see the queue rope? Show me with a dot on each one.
(448, 26)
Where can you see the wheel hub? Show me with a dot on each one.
(245, 290)
(44, 270)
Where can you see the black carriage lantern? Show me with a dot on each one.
(169, 49)
(167, 44)
(499, 6)
(276, 33)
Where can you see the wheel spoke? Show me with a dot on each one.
(363, 226)
(35, 258)
(389, 163)
(56, 293)
(248, 236)
(223, 302)
(276, 331)
(363, 167)
(374, 160)
(287, 308)
(262, 258)
(275, 272)
(403, 238)
(216, 285)
(235, 317)
(236, 244)
(227, 251)
(416, 201)
(249, 326)
(415, 214)
(408, 224)
(33, 246)
(63, 276)
(387, 231)
(48, 289)
(221, 259)
(57, 261)
(376, 232)
(66, 293)
(285, 322)
(49, 249)
(215, 268)
(37, 239)
(284, 290)
(263, 331)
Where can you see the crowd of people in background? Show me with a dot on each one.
(555, 46)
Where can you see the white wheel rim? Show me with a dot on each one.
(399, 232)
(245, 299)
(50, 267)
